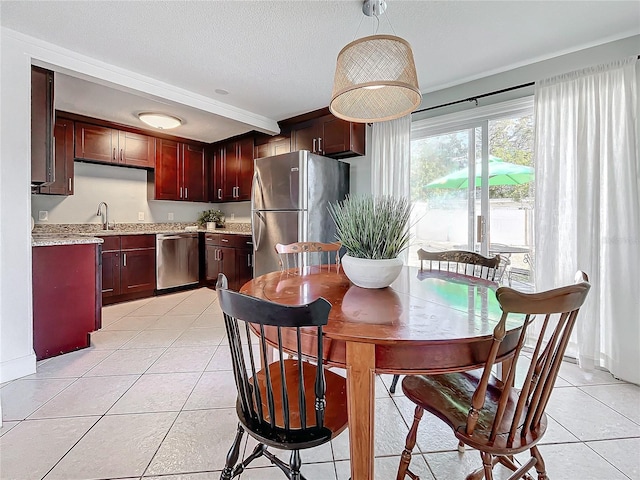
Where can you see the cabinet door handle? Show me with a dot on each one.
(124, 259)
(248, 260)
(186, 192)
(224, 240)
(180, 192)
(319, 144)
(114, 154)
(70, 187)
(314, 146)
(219, 194)
(121, 156)
(219, 254)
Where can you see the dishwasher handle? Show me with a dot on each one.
(175, 236)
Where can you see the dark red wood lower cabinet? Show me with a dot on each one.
(66, 297)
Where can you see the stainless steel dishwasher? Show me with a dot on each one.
(176, 259)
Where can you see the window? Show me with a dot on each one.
(472, 184)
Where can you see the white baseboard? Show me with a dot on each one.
(17, 367)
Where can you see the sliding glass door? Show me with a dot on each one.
(472, 188)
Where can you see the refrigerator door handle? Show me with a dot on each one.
(258, 217)
(257, 193)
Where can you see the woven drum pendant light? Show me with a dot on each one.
(375, 80)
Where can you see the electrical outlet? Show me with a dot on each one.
(43, 215)
(233, 216)
(170, 216)
(140, 215)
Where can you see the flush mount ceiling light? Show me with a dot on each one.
(160, 120)
(375, 76)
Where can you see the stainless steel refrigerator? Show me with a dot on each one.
(289, 200)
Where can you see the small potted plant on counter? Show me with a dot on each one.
(211, 219)
(373, 230)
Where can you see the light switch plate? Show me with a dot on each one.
(170, 216)
(140, 215)
(43, 215)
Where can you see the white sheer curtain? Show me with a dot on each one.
(588, 206)
(391, 157)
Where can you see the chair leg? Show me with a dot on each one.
(232, 456)
(487, 464)
(394, 382)
(540, 467)
(295, 463)
(405, 458)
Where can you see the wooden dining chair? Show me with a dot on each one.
(462, 262)
(290, 404)
(301, 254)
(491, 415)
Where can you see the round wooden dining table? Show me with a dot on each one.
(425, 322)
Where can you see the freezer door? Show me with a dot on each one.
(279, 182)
(270, 228)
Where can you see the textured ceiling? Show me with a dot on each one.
(277, 59)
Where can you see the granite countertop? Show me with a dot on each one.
(79, 233)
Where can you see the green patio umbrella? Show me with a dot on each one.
(500, 173)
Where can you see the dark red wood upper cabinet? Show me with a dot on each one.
(341, 138)
(305, 137)
(136, 150)
(245, 169)
(268, 146)
(96, 143)
(42, 159)
(215, 167)
(63, 154)
(330, 136)
(194, 173)
(234, 171)
(180, 172)
(167, 173)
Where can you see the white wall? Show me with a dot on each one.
(530, 73)
(125, 191)
(16, 336)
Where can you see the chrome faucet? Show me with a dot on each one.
(105, 218)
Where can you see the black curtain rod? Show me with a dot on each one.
(476, 97)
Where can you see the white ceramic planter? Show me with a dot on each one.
(367, 273)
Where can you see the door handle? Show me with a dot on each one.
(70, 187)
(248, 259)
(124, 259)
(121, 156)
(219, 194)
(319, 144)
(480, 228)
(114, 154)
(186, 192)
(180, 192)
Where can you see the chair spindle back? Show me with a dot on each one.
(271, 415)
(304, 254)
(462, 262)
(560, 309)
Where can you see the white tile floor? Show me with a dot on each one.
(153, 398)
